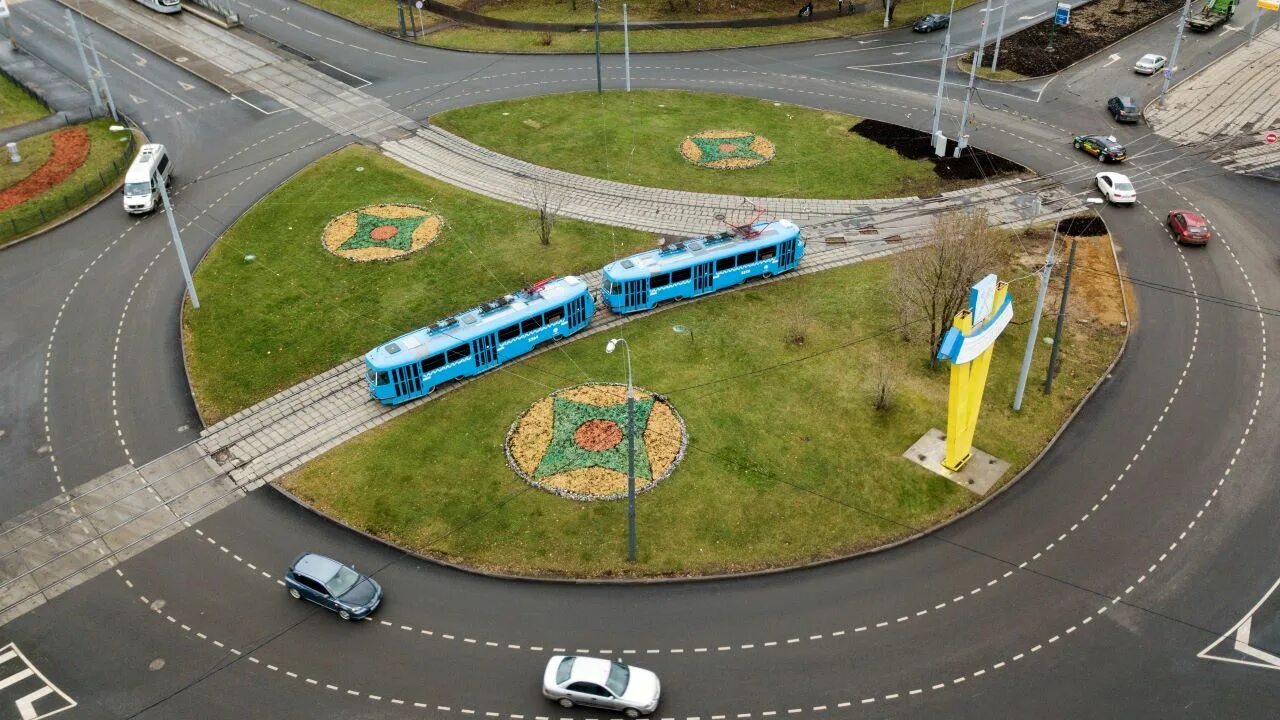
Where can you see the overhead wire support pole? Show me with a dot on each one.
(177, 245)
(1062, 314)
(1177, 41)
(995, 54)
(942, 83)
(93, 86)
(599, 76)
(1035, 322)
(626, 46)
(102, 77)
(962, 139)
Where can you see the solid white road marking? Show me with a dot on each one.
(1114, 59)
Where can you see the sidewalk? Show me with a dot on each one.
(58, 91)
(1229, 107)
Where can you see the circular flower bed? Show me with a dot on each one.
(573, 442)
(70, 149)
(381, 232)
(727, 149)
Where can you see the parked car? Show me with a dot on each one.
(1150, 64)
(1116, 188)
(1124, 109)
(931, 22)
(571, 680)
(1105, 147)
(1189, 227)
(330, 584)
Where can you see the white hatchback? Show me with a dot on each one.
(1150, 64)
(609, 684)
(1116, 188)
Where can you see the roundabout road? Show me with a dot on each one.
(1085, 590)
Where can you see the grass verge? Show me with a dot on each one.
(297, 310)
(596, 135)
(984, 72)
(785, 465)
(17, 106)
(106, 161)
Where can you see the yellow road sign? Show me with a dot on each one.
(1269, 4)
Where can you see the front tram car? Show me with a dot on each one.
(478, 339)
(701, 265)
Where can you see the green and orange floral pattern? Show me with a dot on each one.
(727, 149)
(381, 232)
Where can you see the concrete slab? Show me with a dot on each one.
(977, 476)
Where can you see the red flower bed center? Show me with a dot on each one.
(597, 435)
(70, 149)
(383, 232)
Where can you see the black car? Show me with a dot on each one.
(1103, 147)
(1124, 109)
(931, 22)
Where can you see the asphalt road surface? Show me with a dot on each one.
(1087, 590)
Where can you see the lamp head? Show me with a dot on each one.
(609, 348)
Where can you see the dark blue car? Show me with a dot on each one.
(330, 584)
(931, 22)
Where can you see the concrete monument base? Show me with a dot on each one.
(978, 475)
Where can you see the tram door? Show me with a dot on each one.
(702, 278)
(485, 351)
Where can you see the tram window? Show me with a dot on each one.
(681, 275)
(747, 258)
(613, 288)
(554, 316)
(769, 252)
(456, 354)
(383, 379)
(433, 362)
(724, 264)
(509, 332)
(658, 281)
(531, 324)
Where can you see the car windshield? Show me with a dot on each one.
(565, 669)
(619, 676)
(1124, 187)
(342, 581)
(137, 188)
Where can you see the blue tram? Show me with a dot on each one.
(701, 265)
(478, 339)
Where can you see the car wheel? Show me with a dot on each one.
(566, 703)
(1076, 144)
(631, 713)
(293, 593)
(1102, 157)
(344, 614)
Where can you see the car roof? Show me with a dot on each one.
(1192, 215)
(316, 567)
(1115, 176)
(588, 669)
(1151, 56)
(1107, 140)
(1125, 100)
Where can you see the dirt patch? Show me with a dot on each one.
(1093, 27)
(1095, 288)
(70, 150)
(973, 164)
(1082, 226)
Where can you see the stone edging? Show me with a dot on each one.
(83, 207)
(769, 571)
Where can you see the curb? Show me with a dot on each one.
(440, 562)
(83, 207)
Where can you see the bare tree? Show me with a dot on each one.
(882, 379)
(932, 283)
(547, 201)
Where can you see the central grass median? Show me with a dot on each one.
(816, 153)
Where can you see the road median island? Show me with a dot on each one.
(1093, 27)
(761, 148)
(61, 173)
(788, 459)
(17, 104)
(540, 26)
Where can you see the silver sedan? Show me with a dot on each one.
(1150, 64)
(609, 684)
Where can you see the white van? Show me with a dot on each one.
(142, 181)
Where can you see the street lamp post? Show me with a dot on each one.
(631, 451)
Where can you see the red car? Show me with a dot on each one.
(1189, 227)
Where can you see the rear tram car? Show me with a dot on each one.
(478, 339)
(701, 265)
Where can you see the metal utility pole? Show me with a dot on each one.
(626, 46)
(599, 76)
(1253, 28)
(962, 140)
(177, 246)
(942, 82)
(631, 451)
(888, 10)
(995, 54)
(1035, 323)
(1177, 41)
(13, 39)
(1062, 314)
(102, 77)
(93, 87)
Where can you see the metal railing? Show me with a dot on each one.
(16, 225)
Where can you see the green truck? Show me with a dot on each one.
(1213, 14)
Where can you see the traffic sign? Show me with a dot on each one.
(1270, 138)
(1063, 14)
(1272, 5)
